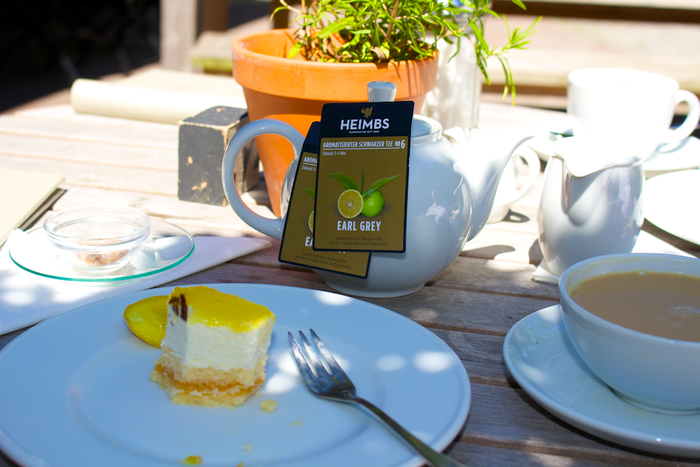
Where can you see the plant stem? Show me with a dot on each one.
(393, 15)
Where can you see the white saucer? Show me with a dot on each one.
(545, 364)
(672, 157)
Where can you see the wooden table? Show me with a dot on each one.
(471, 306)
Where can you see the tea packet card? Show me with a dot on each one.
(297, 239)
(362, 181)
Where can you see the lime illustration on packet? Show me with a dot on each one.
(352, 203)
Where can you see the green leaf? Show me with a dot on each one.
(344, 180)
(356, 31)
(295, 50)
(311, 192)
(334, 28)
(382, 182)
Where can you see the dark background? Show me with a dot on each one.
(46, 44)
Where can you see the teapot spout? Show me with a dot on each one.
(485, 155)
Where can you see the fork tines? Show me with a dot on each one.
(314, 366)
(300, 359)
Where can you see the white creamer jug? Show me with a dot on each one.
(591, 204)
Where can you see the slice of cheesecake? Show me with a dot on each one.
(215, 348)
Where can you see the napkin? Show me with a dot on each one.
(24, 302)
(163, 96)
(646, 243)
(22, 193)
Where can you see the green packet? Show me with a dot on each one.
(298, 238)
(362, 183)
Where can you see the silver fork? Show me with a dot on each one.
(332, 383)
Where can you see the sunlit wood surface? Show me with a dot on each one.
(471, 306)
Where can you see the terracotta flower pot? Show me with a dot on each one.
(294, 91)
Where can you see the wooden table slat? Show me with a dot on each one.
(159, 138)
(89, 152)
(147, 181)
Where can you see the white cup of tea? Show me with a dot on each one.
(629, 110)
(645, 348)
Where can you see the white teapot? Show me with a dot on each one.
(449, 201)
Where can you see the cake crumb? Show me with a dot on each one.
(248, 447)
(298, 422)
(268, 405)
(192, 460)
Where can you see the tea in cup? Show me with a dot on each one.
(628, 110)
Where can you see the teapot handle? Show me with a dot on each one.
(533, 163)
(270, 227)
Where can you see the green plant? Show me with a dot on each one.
(398, 30)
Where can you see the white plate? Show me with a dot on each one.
(545, 364)
(672, 157)
(672, 202)
(75, 390)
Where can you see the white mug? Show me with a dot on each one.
(629, 110)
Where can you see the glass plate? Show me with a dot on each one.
(167, 246)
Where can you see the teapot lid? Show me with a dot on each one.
(385, 91)
(421, 126)
(425, 130)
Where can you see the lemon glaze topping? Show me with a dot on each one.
(213, 308)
